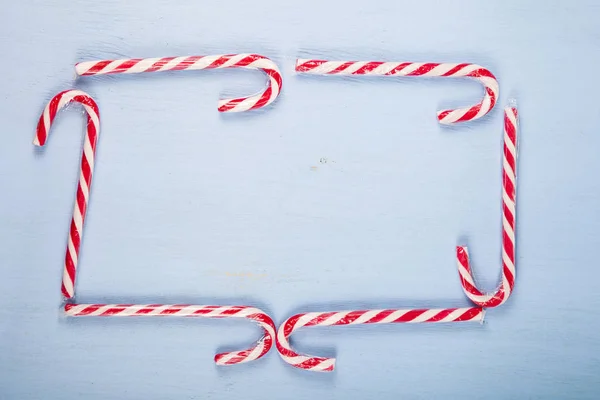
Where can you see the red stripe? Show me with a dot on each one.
(188, 62)
(398, 69)
(89, 310)
(159, 64)
(244, 62)
(320, 318)
(469, 314)
(309, 65)
(441, 315)
(423, 69)
(96, 68)
(456, 69)
(341, 68)
(368, 67)
(443, 114)
(218, 62)
(113, 311)
(124, 66)
(409, 316)
(508, 216)
(379, 316)
(481, 72)
(470, 114)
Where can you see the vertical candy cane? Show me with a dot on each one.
(85, 175)
(261, 347)
(447, 70)
(357, 317)
(248, 61)
(509, 183)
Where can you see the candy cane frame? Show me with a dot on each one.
(248, 61)
(509, 184)
(356, 317)
(76, 232)
(447, 70)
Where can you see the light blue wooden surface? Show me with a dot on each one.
(344, 193)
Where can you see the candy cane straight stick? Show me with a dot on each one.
(76, 232)
(448, 70)
(85, 176)
(325, 364)
(509, 183)
(261, 348)
(248, 61)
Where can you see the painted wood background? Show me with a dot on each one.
(343, 193)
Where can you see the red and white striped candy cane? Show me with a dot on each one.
(261, 347)
(509, 184)
(248, 61)
(447, 70)
(85, 175)
(325, 364)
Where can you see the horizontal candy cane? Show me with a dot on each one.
(85, 176)
(447, 70)
(509, 183)
(248, 61)
(261, 347)
(325, 364)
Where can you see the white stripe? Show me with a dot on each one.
(453, 115)
(441, 69)
(332, 320)
(508, 262)
(77, 218)
(393, 316)
(411, 68)
(425, 316)
(467, 69)
(511, 116)
(508, 202)
(365, 317)
(72, 252)
(84, 187)
(509, 144)
(508, 229)
(509, 171)
(67, 283)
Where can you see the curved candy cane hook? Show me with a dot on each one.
(509, 184)
(249, 61)
(59, 101)
(85, 176)
(356, 317)
(448, 70)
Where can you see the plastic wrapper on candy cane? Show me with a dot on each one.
(247, 61)
(445, 70)
(509, 205)
(76, 232)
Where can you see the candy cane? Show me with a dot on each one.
(261, 347)
(448, 70)
(76, 232)
(85, 175)
(249, 61)
(509, 183)
(326, 364)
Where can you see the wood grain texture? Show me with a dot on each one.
(345, 193)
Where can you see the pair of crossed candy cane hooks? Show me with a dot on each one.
(262, 99)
